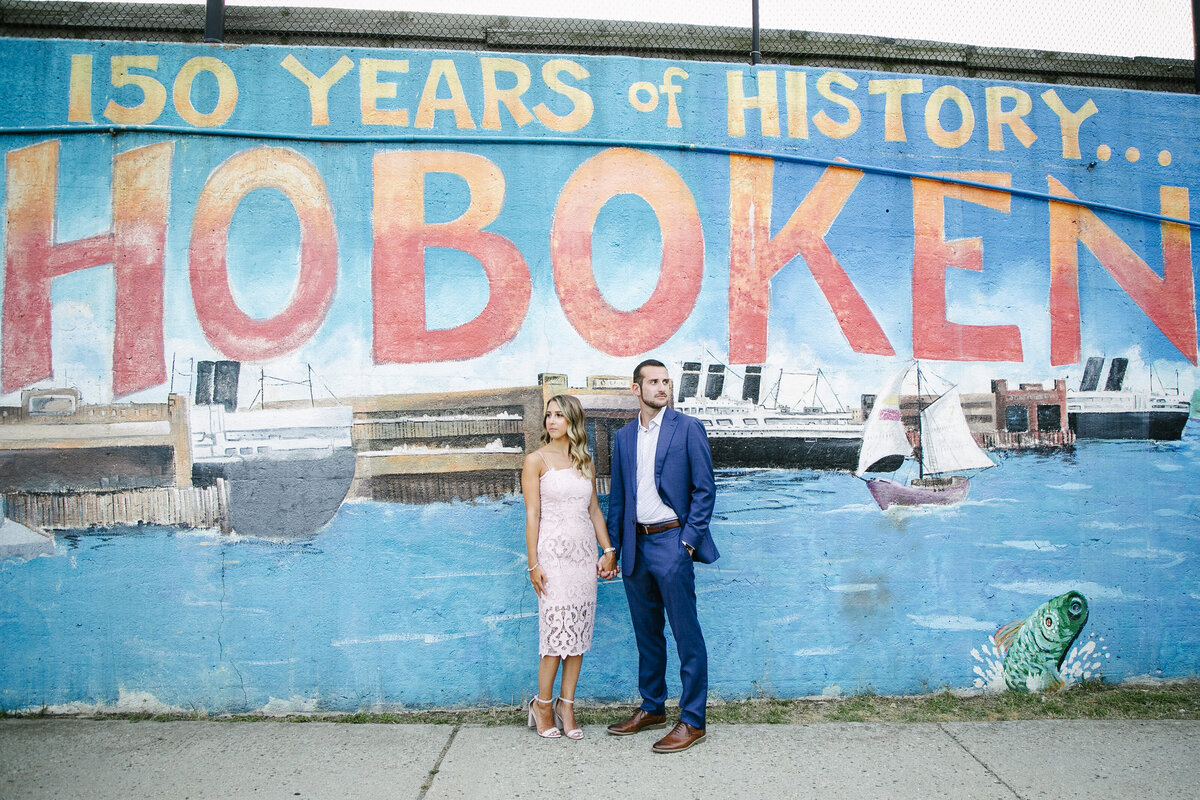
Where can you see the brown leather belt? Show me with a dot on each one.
(657, 527)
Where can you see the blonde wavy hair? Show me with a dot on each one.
(577, 439)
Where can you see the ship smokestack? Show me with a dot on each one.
(204, 383)
(1091, 374)
(217, 383)
(689, 384)
(715, 383)
(752, 383)
(1116, 375)
(225, 384)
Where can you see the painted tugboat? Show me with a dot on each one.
(947, 447)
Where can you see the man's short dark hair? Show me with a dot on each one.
(649, 362)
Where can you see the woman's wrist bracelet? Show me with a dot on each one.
(535, 566)
(608, 550)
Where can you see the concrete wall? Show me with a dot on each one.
(387, 248)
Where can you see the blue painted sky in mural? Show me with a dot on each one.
(872, 236)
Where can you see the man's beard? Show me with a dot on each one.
(656, 402)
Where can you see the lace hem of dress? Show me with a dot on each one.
(566, 630)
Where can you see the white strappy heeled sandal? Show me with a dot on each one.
(574, 733)
(551, 733)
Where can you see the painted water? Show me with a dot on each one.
(817, 591)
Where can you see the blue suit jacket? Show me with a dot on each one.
(683, 473)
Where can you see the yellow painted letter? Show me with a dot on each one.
(767, 102)
(933, 123)
(430, 103)
(318, 88)
(824, 123)
(1069, 121)
(371, 90)
(493, 96)
(893, 111)
(997, 117)
(581, 113)
(795, 88)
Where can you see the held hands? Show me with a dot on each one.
(606, 567)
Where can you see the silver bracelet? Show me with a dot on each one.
(535, 566)
(608, 550)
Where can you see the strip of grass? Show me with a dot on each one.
(1084, 701)
(1093, 700)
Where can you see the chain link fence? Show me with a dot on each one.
(291, 25)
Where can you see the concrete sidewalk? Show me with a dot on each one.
(78, 758)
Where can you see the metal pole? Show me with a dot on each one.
(214, 21)
(1196, 45)
(756, 54)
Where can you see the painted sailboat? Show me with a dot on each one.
(947, 448)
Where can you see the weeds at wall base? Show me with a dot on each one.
(1089, 700)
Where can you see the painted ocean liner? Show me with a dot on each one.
(748, 433)
(1115, 412)
(288, 469)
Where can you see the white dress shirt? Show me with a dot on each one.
(650, 506)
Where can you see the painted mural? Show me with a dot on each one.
(278, 325)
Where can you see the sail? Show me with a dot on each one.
(946, 441)
(883, 433)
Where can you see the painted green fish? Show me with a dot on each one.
(1034, 648)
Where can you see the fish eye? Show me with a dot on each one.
(1076, 607)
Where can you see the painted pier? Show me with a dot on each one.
(187, 507)
(436, 447)
(67, 465)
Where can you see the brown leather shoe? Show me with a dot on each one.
(681, 737)
(640, 721)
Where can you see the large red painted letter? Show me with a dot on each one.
(933, 335)
(598, 180)
(1169, 301)
(233, 332)
(141, 190)
(398, 264)
(754, 257)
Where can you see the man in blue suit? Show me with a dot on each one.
(659, 507)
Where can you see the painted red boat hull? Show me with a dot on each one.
(889, 493)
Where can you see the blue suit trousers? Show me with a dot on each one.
(664, 582)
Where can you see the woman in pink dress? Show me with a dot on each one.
(563, 525)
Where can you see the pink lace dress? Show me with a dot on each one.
(567, 552)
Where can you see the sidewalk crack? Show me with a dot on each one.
(980, 762)
(438, 764)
